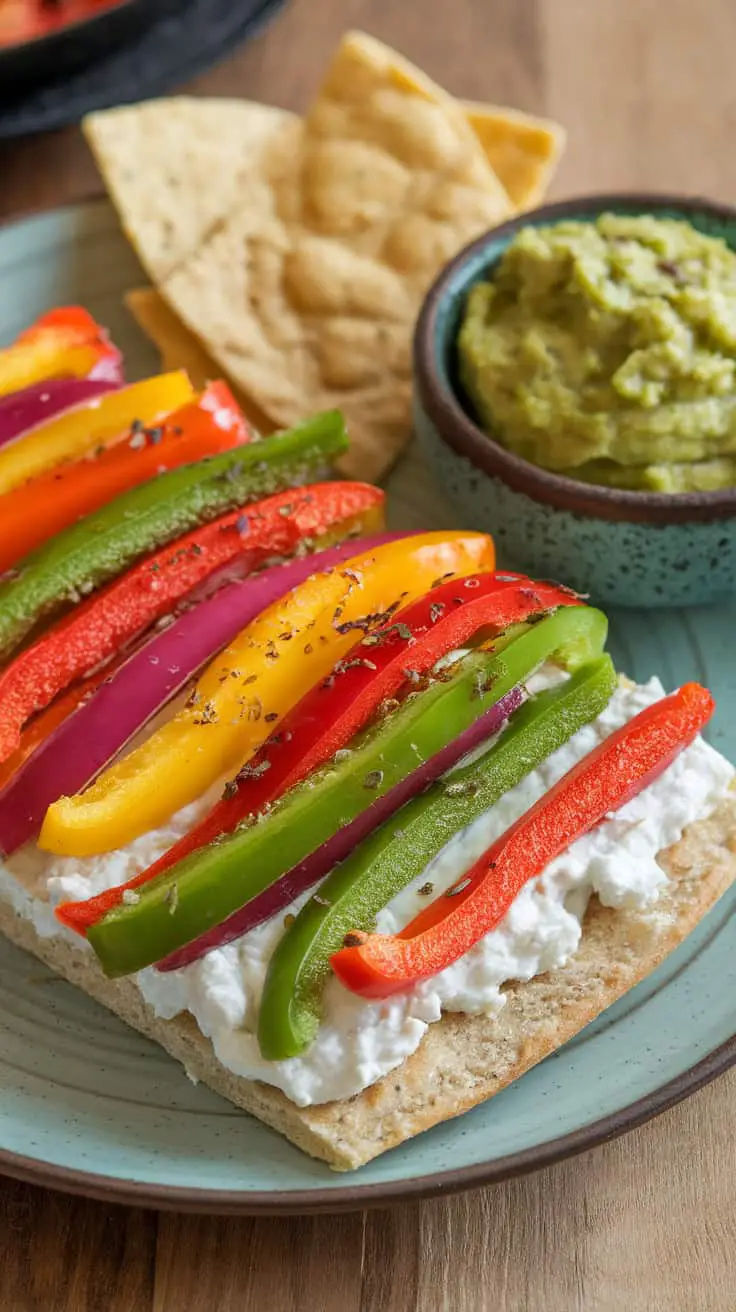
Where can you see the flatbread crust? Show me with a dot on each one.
(462, 1060)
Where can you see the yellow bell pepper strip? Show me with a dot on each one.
(48, 504)
(394, 855)
(241, 697)
(104, 544)
(379, 965)
(65, 343)
(99, 423)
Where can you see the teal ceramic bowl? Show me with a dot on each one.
(640, 549)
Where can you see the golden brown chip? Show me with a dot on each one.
(523, 150)
(313, 305)
(174, 167)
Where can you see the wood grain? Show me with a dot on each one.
(646, 1223)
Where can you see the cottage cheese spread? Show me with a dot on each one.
(359, 1042)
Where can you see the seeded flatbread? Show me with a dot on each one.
(462, 1060)
(314, 307)
(523, 150)
(174, 167)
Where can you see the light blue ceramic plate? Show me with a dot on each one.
(87, 1105)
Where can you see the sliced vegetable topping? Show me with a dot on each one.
(398, 852)
(379, 965)
(100, 422)
(242, 696)
(330, 714)
(33, 513)
(65, 343)
(104, 544)
(37, 404)
(94, 631)
(208, 887)
(128, 698)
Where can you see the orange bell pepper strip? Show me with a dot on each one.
(98, 424)
(242, 695)
(379, 965)
(113, 618)
(35, 512)
(65, 343)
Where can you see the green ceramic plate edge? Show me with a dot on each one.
(90, 1107)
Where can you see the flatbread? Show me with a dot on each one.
(174, 167)
(462, 1060)
(314, 306)
(523, 150)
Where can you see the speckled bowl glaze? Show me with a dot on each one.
(640, 549)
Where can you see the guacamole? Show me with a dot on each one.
(607, 351)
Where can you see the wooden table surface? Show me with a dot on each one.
(647, 92)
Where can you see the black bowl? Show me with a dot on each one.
(69, 48)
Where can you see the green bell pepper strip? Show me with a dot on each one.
(102, 545)
(205, 888)
(398, 852)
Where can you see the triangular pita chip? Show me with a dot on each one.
(174, 167)
(523, 150)
(315, 307)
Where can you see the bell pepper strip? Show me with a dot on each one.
(211, 885)
(35, 405)
(98, 423)
(134, 691)
(380, 965)
(397, 853)
(65, 343)
(242, 695)
(45, 506)
(40, 728)
(317, 864)
(114, 617)
(104, 544)
(329, 715)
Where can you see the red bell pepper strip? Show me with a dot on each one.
(49, 503)
(331, 713)
(43, 725)
(65, 343)
(379, 965)
(98, 628)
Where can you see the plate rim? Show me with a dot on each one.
(351, 1197)
(357, 1197)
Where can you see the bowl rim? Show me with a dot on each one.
(456, 428)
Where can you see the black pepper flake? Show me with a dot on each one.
(154, 435)
(387, 707)
(508, 578)
(137, 426)
(412, 676)
(251, 679)
(255, 709)
(436, 611)
(196, 550)
(272, 715)
(232, 474)
(286, 636)
(350, 574)
(461, 788)
(373, 779)
(352, 941)
(230, 789)
(458, 888)
(308, 649)
(208, 714)
(242, 524)
(443, 578)
(666, 266)
(426, 889)
(194, 698)
(251, 771)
